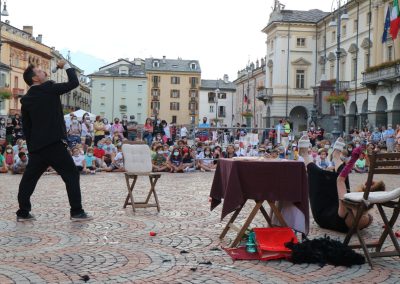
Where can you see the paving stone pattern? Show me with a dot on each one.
(116, 247)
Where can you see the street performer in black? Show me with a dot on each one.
(45, 131)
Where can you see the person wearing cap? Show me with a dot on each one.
(388, 137)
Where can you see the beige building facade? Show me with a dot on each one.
(302, 66)
(173, 90)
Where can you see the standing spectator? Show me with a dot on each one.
(279, 129)
(10, 135)
(132, 128)
(398, 134)
(117, 128)
(173, 131)
(320, 133)
(107, 128)
(203, 131)
(125, 126)
(74, 133)
(87, 130)
(167, 133)
(183, 132)
(312, 135)
(376, 136)
(272, 135)
(388, 137)
(98, 129)
(17, 123)
(2, 131)
(148, 131)
(20, 164)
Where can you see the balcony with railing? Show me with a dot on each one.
(264, 94)
(384, 74)
(330, 85)
(16, 92)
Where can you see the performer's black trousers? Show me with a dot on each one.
(58, 157)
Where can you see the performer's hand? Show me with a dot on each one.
(60, 64)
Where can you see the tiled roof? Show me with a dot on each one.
(134, 71)
(295, 16)
(172, 65)
(214, 84)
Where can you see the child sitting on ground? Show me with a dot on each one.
(20, 164)
(78, 158)
(90, 162)
(3, 165)
(117, 164)
(361, 164)
(9, 156)
(159, 161)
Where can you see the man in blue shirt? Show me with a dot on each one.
(203, 133)
(388, 136)
(376, 136)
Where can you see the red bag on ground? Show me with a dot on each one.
(271, 242)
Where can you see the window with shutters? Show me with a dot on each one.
(175, 80)
(175, 94)
(174, 106)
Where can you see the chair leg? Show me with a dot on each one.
(130, 189)
(364, 247)
(153, 181)
(388, 228)
(356, 220)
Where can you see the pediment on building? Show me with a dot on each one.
(366, 43)
(353, 48)
(270, 63)
(331, 56)
(301, 61)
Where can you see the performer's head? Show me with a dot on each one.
(34, 75)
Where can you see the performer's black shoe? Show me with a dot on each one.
(30, 217)
(81, 217)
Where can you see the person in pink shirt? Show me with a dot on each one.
(117, 127)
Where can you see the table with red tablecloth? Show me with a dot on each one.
(280, 182)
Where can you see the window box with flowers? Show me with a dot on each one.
(341, 98)
(247, 114)
(5, 93)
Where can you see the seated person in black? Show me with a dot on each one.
(324, 200)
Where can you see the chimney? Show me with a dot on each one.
(163, 59)
(226, 78)
(39, 38)
(28, 29)
(257, 63)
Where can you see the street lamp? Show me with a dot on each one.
(341, 16)
(5, 14)
(216, 106)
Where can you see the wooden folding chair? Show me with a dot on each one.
(357, 203)
(137, 162)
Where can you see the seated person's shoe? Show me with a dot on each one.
(81, 217)
(29, 217)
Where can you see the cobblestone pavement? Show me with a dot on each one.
(116, 247)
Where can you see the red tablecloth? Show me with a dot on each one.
(237, 180)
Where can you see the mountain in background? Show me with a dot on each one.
(84, 61)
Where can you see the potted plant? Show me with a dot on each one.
(5, 93)
(247, 113)
(340, 98)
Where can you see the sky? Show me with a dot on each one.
(224, 35)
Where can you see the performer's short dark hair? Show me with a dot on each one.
(29, 74)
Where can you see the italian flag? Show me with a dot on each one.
(395, 20)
